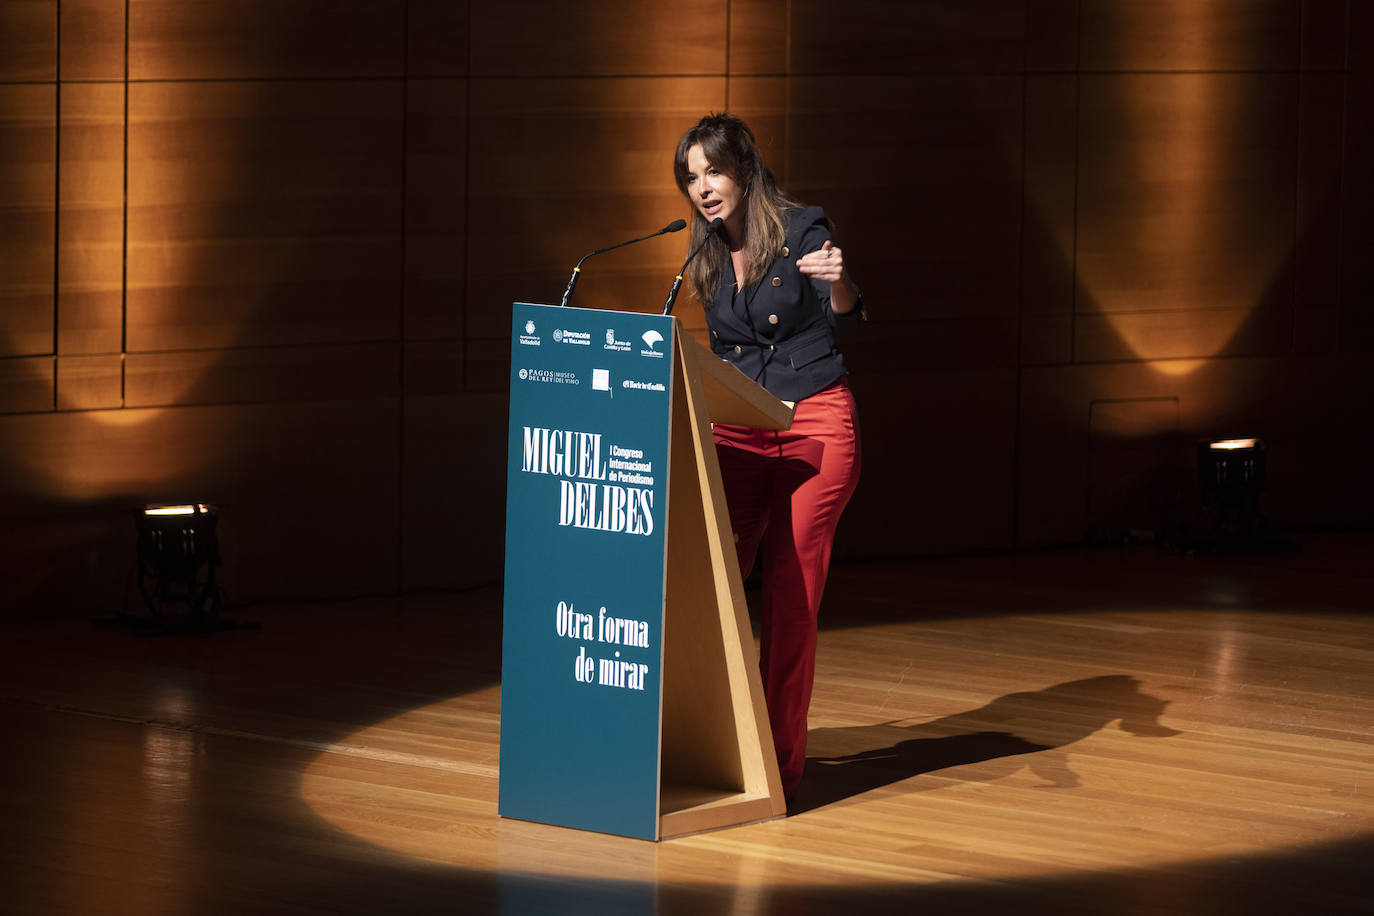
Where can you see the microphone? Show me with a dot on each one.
(677, 282)
(674, 226)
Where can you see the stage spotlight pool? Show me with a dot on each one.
(934, 775)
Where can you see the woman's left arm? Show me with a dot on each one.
(827, 263)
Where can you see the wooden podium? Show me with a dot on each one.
(715, 729)
(716, 765)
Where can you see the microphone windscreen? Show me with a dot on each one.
(715, 224)
(675, 225)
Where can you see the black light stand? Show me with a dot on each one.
(178, 551)
(1231, 473)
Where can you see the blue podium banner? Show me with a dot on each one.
(586, 540)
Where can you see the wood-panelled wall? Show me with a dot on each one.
(261, 252)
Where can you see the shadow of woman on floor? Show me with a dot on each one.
(1029, 729)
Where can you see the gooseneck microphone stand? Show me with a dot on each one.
(677, 281)
(674, 226)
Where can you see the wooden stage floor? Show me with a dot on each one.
(1112, 731)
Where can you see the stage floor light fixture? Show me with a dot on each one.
(178, 553)
(178, 550)
(1232, 474)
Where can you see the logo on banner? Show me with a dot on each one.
(601, 381)
(651, 340)
(579, 338)
(549, 375)
(643, 386)
(528, 339)
(620, 346)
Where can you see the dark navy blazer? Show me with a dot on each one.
(781, 331)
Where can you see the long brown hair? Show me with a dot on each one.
(728, 144)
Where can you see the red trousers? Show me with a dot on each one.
(785, 492)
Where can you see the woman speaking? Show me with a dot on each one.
(771, 283)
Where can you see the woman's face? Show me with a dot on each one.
(714, 193)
